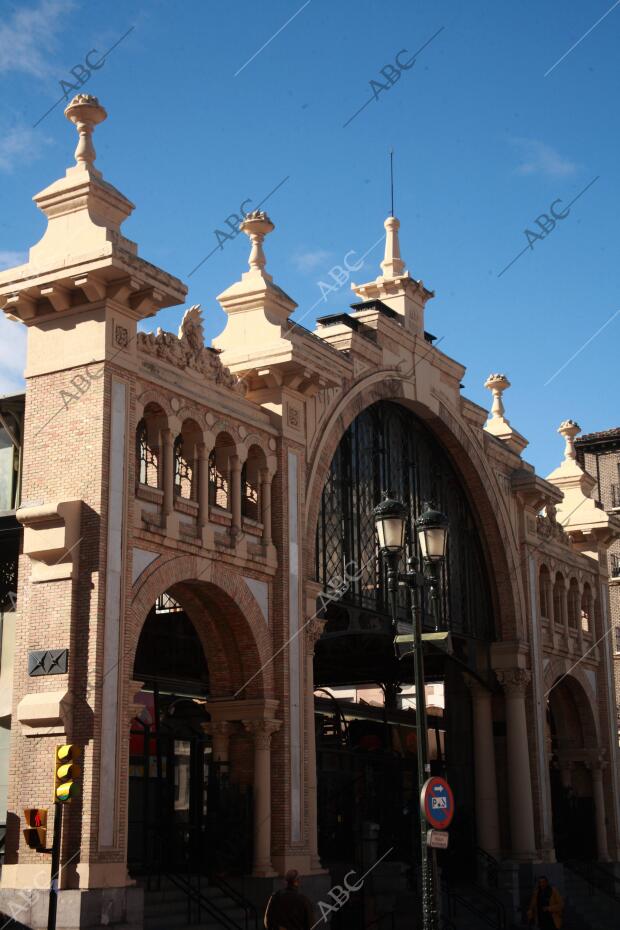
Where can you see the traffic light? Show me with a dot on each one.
(35, 831)
(66, 772)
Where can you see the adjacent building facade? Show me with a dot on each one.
(599, 454)
(198, 557)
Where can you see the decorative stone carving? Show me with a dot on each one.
(261, 731)
(514, 681)
(497, 384)
(121, 336)
(548, 527)
(85, 112)
(293, 415)
(256, 226)
(312, 633)
(569, 429)
(187, 350)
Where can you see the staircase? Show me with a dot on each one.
(591, 900)
(180, 901)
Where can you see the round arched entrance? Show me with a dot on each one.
(190, 771)
(571, 735)
(368, 752)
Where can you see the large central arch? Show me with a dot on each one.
(487, 501)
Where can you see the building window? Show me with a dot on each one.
(250, 483)
(617, 637)
(586, 608)
(165, 604)
(574, 605)
(558, 600)
(614, 567)
(183, 471)
(219, 471)
(545, 593)
(147, 458)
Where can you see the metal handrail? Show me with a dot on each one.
(597, 877)
(196, 896)
(491, 864)
(250, 912)
(499, 923)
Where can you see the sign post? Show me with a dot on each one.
(437, 803)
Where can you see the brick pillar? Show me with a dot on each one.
(265, 498)
(235, 494)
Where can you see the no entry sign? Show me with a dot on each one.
(437, 803)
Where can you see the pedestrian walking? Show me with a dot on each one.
(546, 906)
(289, 909)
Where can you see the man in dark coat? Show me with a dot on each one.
(289, 909)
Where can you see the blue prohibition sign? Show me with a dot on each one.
(437, 803)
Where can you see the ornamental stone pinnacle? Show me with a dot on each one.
(497, 384)
(569, 429)
(392, 265)
(256, 226)
(85, 112)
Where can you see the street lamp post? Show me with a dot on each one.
(432, 531)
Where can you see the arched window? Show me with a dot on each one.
(250, 483)
(185, 461)
(574, 604)
(546, 601)
(586, 608)
(183, 470)
(388, 447)
(147, 457)
(219, 471)
(559, 614)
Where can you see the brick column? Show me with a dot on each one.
(515, 682)
(265, 499)
(313, 631)
(167, 456)
(202, 462)
(235, 495)
(261, 731)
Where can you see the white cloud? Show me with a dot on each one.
(12, 355)
(308, 261)
(19, 146)
(28, 37)
(540, 158)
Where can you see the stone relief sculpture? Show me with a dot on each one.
(187, 350)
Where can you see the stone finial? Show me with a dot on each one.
(569, 429)
(392, 265)
(85, 112)
(497, 384)
(256, 226)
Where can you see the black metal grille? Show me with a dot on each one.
(387, 448)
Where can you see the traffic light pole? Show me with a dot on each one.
(53, 905)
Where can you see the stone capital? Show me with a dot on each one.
(477, 689)
(223, 728)
(514, 681)
(312, 633)
(261, 731)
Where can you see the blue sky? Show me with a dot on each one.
(487, 135)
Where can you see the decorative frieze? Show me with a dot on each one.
(188, 351)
